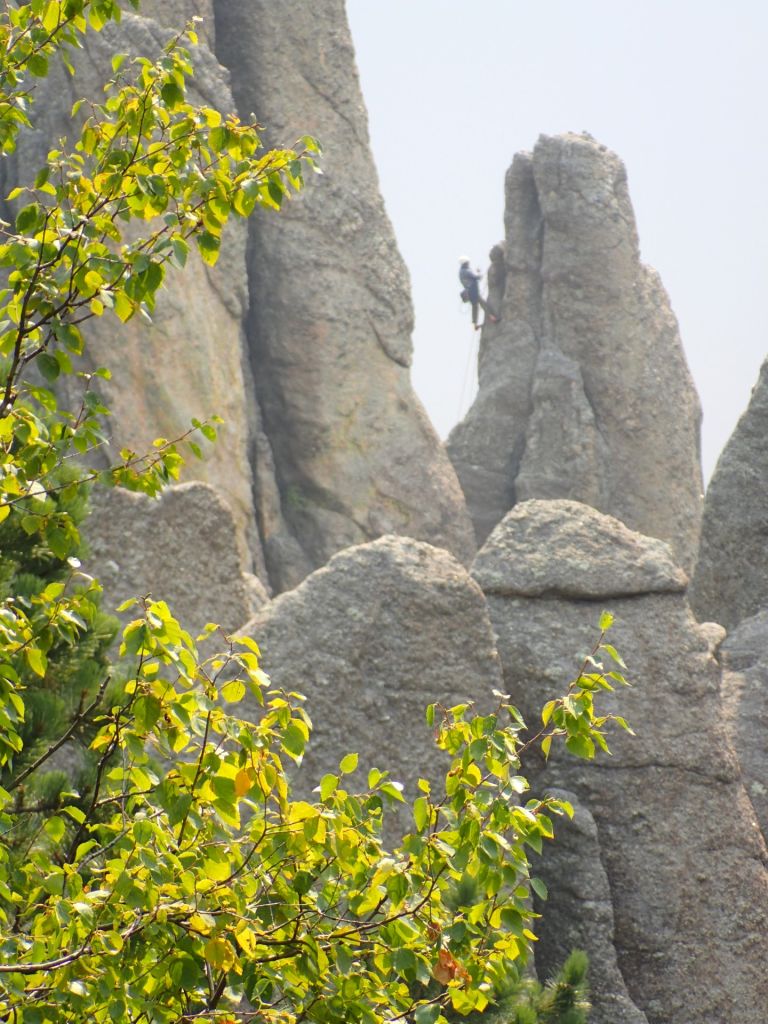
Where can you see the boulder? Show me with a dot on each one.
(584, 391)
(329, 330)
(371, 639)
(685, 861)
(730, 583)
(180, 548)
(744, 656)
(567, 549)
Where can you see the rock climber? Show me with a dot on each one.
(470, 281)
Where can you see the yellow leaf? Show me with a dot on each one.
(249, 943)
(220, 953)
(219, 871)
(36, 660)
(124, 307)
(233, 691)
(201, 925)
(243, 782)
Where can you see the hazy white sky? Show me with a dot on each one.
(677, 88)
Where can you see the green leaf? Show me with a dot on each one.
(606, 621)
(172, 95)
(49, 366)
(75, 813)
(348, 764)
(427, 1013)
(28, 219)
(623, 724)
(55, 828)
(539, 888)
(209, 246)
(581, 746)
(38, 65)
(294, 741)
(180, 250)
(610, 649)
(421, 812)
(547, 710)
(328, 785)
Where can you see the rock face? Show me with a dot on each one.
(385, 629)
(188, 363)
(744, 655)
(683, 855)
(731, 579)
(331, 318)
(325, 443)
(180, 549)
(584, 391)
(579, 915)
(176, 13)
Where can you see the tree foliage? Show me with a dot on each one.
(73, 672)
(182, 881)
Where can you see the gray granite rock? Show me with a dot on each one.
(744, 656)
(188, 363)
(678, 840)
(383, 630)
(331, 318)
(179, 548)
(176, 13)
(584, 391)
(563, 548)
(731, 578)
(579, 914)
(303, 345)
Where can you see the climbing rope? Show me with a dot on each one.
(471, 356)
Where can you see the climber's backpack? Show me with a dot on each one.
(464, 295)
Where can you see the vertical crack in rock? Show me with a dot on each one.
(330, 315)
(744, 655)
(488, 447)
(590, 396)
(684, 857)
(731, 579)
(579, 914)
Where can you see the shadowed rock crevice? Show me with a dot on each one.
(744, 655)
(330, 316)
(731, 579)
(579, 914)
